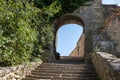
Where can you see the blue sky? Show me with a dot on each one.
(111, 2)
(68, 35)
(108, 2)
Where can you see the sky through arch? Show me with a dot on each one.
(67, 38)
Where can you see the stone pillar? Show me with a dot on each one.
(52, 56)
(88, 45)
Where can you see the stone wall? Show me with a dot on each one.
(103, 39)
(92, 18)
(97, 37)
(79, 49)
(113, 32)
(113, 29)
(17, 72)
(107, 66)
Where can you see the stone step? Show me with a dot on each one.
(62, 79)
(36, 77)
(66, 71)
(64, 65)
(66, 74)
(65, 68)
(69, 61)
(69, 68)
(73, 72)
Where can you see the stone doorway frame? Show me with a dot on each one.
(70, 19)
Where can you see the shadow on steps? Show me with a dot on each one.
(69, 60)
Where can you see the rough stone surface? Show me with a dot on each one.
(47, 56)
(91, 16)
(107, 66)
(104, 39)
(79, 49)
(105, 45)
(17, 72)
(68, 68)
(114, 32)
(51, 51)
(102, 43)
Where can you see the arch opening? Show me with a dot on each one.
(68, 37)
(66, 19)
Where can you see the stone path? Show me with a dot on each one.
(68, 68)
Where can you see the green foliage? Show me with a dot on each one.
(45, 26)
(17, 33)
(26, 27)
(20, 23)
(96, 49)
(68, 6)
(65, 6)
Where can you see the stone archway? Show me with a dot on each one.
(67, 19)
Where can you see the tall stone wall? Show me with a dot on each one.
(114, 32)
(113, 29)
(79, 49)
(101, 39)
(91, 15)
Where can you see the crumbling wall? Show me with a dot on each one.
(17, 72)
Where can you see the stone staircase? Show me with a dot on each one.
(68, 68)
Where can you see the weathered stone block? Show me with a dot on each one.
(17, 72)
(107, 66)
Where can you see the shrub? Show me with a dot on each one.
(17, 31)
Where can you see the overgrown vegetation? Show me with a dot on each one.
(17, 31)
(68, 6)
(26, 28)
